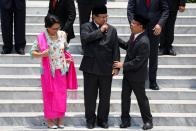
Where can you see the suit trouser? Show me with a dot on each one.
(84, 12)
(153, 58)
(7, 18)
(167, 35)
(68, 40)
(92, 85)
(139, 90)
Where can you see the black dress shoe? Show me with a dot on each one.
(171, 52)
(6, 52)
(154, 86)
(103, 124)
(147, 126)
(161, 51)
(90, 125)
(20, 51)
(125, 124)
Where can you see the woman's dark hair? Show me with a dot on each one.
(51, 20)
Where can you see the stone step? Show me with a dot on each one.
(163, 81)
(114, 19)
(178, 38)
(27, 93)
(75, 48)
(42, 8)
(157, 106)
(180, 59)
(121, 28)
(114, 8)
(189, 20)
(172, 106)
(34, 69)
(77, 119)
(83, 128)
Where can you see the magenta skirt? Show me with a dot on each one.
(54, 99)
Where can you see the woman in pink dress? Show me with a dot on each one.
(56, 69)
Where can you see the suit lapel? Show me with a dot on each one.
(94, 26)
(139, 37)
(136, 40)
(133, 44)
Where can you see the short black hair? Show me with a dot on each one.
(142, 20)
(50, 20)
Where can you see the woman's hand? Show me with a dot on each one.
(68, 60)
(38, 54)
(45, 53)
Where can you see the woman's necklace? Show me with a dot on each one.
(53, 37)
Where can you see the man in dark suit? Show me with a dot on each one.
(13, 10)
(85, 7)
(157, 12)
(66, 12)
(135, 72)
(167, 35)
(100, 46)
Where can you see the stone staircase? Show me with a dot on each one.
(173, 107)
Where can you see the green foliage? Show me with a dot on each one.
(191, 1)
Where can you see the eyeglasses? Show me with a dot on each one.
(135, 22)
(57, 28)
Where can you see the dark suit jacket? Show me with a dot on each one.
(94, 2)
(66, 12)
(157, 13)
(136, 60)
(8, 4)
(174, 4)
(100, 49)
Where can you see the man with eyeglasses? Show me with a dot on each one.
(100, 46)
(135, 72)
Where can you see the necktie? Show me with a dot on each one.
(132, 38)
(148, 3)
(54, 2)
